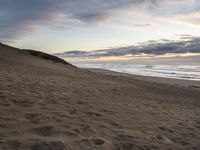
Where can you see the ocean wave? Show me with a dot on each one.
(187, 72)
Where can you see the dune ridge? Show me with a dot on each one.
(48, 104)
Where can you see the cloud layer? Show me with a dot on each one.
(19, 18)
(187, 44)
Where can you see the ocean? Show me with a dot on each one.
(181, 69)
(167, 71)
(187, 68)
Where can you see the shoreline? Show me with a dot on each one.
(165, 80)
(177, 71)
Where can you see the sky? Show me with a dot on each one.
(55, 26)
(185, 46)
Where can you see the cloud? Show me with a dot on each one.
(186, 44)
(191, 17)
(19, 18)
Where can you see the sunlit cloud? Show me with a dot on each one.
(140, 57)
(184, 47)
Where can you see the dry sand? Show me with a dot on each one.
(46, 105)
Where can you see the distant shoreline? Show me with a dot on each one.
(165, 80)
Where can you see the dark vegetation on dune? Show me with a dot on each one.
(45, 56)
(39, 54)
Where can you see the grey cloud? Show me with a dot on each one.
(19, 18)
(192, 45)
(148, 25)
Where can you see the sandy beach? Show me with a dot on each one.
(51, 105)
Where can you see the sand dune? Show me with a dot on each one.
(46, 104)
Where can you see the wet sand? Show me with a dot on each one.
(45, 105)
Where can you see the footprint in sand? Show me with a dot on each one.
(125, 142)
(98, 141)
(22, 103)
(55, 145)
(93, 114)
(45, 131)
(13, 145)
(166, 129)
(33, 117)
